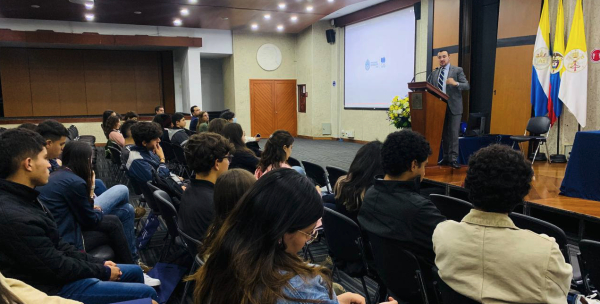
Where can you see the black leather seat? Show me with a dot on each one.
(103, 252)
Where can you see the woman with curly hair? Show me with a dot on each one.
(486, 257)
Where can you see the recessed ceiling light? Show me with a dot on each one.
(309, 8)
(184, 12)
(137, 12)
(267, 16)
(330, 1)
(89, 17)
(254, 26)
(225, 18)
(280, 27)
(35, 6)
(177, 22)
(282, 5)
(89, 5)
(192, 1)
(294, 18)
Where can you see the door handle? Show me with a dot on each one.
(494, 92)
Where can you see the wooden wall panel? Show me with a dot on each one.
(147, 81)
(71, 83)
(97, 81)
(518, 18)
(16, 85)
(446, 21)
(168, 81)
(262, 107)
(285, 106)
(511, 106)
(122, 81)
(43, 71)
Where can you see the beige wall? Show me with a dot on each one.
(568, 126)
(84, 128)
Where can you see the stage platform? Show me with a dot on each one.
(579, 218)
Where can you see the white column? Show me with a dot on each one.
(191, 81)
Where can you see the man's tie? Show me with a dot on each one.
(441, 79)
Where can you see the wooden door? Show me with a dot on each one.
(273, 106)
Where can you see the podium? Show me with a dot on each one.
(427, 111)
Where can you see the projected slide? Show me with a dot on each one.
(379, 59)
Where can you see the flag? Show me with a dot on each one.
(540, 75)
(573, 87)
(558, 53)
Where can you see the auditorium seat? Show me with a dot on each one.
(169, 216)
(334, 174)
(452, 208)
(537, 127)
(103, 252)
(589, 262)
(446, 294)
(542, 227)
(317, 173)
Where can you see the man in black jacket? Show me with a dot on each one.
(393, 208)
(30, 247)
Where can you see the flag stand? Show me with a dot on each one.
(558, 158)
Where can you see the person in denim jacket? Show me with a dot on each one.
(253, 258)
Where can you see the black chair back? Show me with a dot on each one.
(590, 263)
(452, 208)
(399, 270)
(148, 193)
(191, 243)
(73, 132)
(294, 162)
(115, 154)
(446, 294)
(168, 150)
(179, 154)
(168, 211)
(334, 174)
(343, 239)
(171, 187)
(538, 125)
(317, 173)
(542, 227)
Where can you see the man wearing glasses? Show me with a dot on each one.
(208, 155)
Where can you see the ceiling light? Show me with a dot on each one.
(280, 27)
(282, 5)
(254, 26)
(267, 16)
(294, 18)
(192, 1)
(185, 12)
(137, 12)
(89, 17)
(330, 1)
(89, 5)
(177, 22)
(309, 8)
(35, 6)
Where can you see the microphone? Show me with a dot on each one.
(413, 79)
(429, 77)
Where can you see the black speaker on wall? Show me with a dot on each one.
(417, 9)
(330, 36)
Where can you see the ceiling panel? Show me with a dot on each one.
(210, 14)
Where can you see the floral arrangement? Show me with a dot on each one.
(399, 113)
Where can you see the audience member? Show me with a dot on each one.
(393, 208)
(208, 155)
(105, 116)
(217, 125)
(253, 258)
(202, 122)
(277, 151)
(112, 128)
(32, 250)
(159, 110)
(16, 292)
(164, 120)
(196, 113)
(131, 116)
(177, 134)
(243, 157)
(486, 257)
(129, 142)
(55, 135)
(350, 189)
(28, 126)
(229, 116)
(146, 155)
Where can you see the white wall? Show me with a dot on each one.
(212, 85)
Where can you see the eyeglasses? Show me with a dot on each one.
(313, 236)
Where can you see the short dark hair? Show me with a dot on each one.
(498, 178)
(177, 117)
(130, 115)
(192, 109)
(126, 126)
(17, 145)
(28, 126)
(400, 149)
(444, 50)
(145, 132)
(201, 150)
(217, 125)
(158, 108)
(52, 130)
(164, 120)
(227, 115)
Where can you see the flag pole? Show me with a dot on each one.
(558, 158)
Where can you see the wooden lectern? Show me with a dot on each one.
(427, 112)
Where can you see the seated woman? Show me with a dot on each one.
(277, 151)
(177, 134)
(105, 116)
(350, 189)
(69, 195)
(202, 122)
(253, 257)
(217, 125)
(243, 157)
(112, 128)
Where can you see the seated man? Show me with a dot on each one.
(55, 135)
(129, 142)
(195, 112)
(32, 250)
(146, 155)
(208, 154)
(393, 207)
(486, 257)
(177, 134)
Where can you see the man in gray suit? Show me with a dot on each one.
(451, 80)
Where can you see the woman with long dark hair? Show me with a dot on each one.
(253, 258)
(112, 125)
(217, 125)
(105, 116)
(243, 157)
(277, 151)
